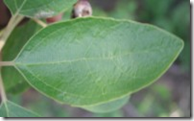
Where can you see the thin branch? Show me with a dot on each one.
(2, 90)
(40, 22)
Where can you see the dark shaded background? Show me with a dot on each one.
(168, 97)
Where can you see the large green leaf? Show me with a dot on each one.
(39, 8)
(109, 106)
(9, 109)
(89, 61)
(16, 83)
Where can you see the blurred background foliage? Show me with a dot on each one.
(169, 96)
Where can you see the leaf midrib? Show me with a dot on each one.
(92, 58)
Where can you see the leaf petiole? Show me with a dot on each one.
(6, 63)
(41, 23)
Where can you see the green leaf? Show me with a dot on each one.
(38, 8)
(16, 83)
(109, 106)
(9, 109)
(88, 61)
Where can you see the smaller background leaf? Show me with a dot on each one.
(39, 8)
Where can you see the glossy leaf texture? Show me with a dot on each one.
(109, 106)
(39, 8)
(90, 61)
(9, 109)
(16, 83)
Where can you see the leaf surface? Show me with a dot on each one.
(39, 8)
(89, 61)
(9, 109)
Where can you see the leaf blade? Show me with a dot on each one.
(81, 56)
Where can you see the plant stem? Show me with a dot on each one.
(40, 22)
(2, 90)
(11, 25)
